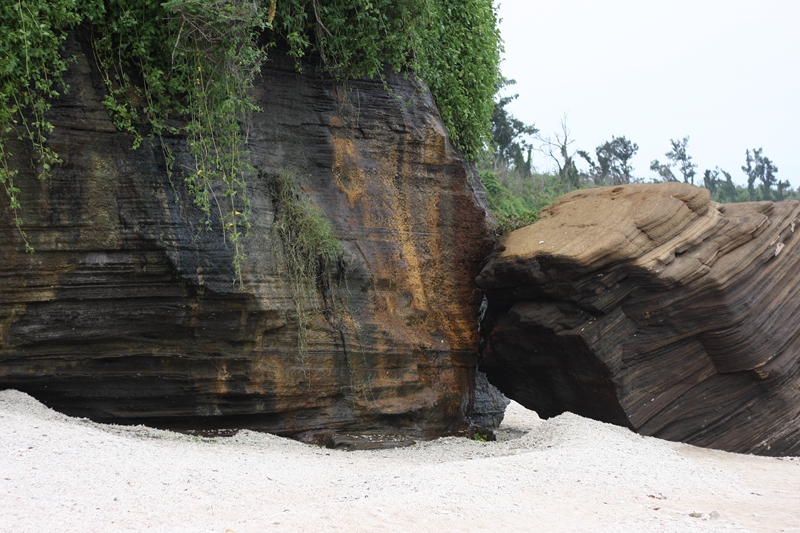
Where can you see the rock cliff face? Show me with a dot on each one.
(651, 307)
(126, 312)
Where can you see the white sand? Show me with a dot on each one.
(60, 474)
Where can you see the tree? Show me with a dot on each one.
(721, 190)
(613, 162)
(557, 148)
(508, 134)
(758, 167)
(514, 192)
(781, 192)
(678, 159)
(711, 181)
(663, 170)
(728, 188)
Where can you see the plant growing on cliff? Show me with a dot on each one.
(310, 248)
(452, 45)
(187, 67)
(195, 59)
(204, 74)
(31, 73)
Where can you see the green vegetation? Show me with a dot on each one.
(187, 67)
(720, 183)
(453, 46)
(31, 73)
(516, 192)
(516, 198)
(194, 60)
(613, 165)
(310, 249)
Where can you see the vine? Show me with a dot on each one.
(458, 57)
(199, 64)
(452, 45)
(187, 67)
(31, 73)
(216, 44)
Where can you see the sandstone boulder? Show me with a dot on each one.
(127, 313)
(651, 307)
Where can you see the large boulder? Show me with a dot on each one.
(651, 307)
(127, 313)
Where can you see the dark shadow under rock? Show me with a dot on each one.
(353, 442)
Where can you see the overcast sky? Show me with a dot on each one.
(724, 72)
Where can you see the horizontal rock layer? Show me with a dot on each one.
(127, 312)
(651, 307)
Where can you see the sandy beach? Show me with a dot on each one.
(61, 474)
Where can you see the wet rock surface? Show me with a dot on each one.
(650, 307)
(127, 312)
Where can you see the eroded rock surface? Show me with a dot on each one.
(127, 312)
(651, 307)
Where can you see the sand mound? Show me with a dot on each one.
(564, 474)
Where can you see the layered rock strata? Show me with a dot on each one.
(651, 307)
(127, 313)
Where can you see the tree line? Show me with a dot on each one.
(516, 191)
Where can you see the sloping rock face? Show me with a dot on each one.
(127, 312)
(651, 307)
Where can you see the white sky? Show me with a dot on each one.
(724, 72)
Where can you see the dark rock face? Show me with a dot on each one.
(651, 307)
(490, 405)
(127, 311)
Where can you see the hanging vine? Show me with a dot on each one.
(31, 74)
(198, 64)
(187, 67)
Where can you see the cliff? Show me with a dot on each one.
(127, 313)
(651, 307)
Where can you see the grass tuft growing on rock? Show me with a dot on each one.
(310, 249)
